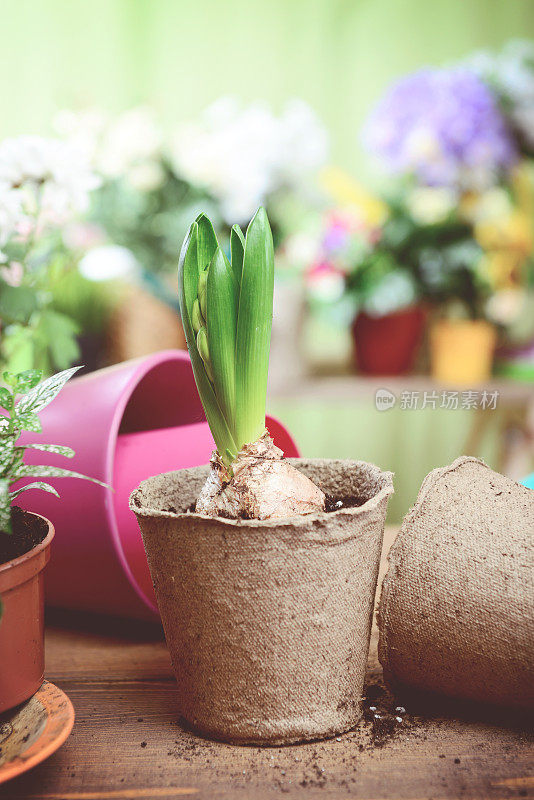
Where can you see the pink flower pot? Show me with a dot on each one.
(126, 423)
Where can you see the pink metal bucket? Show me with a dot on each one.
(108, 417)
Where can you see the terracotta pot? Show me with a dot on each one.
(124, 423)
(461, 351)
(267, 623)
(22, 624)
(388, 345)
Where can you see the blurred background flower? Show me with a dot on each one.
(444, 127)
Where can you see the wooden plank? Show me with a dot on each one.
(127, 739)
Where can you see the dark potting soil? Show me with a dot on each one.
(28, 531)
(335, 503)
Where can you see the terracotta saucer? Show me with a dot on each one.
(34, 730)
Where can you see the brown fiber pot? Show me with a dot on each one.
(267, 623)
(22, 624)
(456, 613)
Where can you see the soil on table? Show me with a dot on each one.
(28, 532)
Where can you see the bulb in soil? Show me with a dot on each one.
(262, 486)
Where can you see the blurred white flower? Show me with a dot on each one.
(117, 147)
(395, 291)
(11, 213)
(493, 204)
(511, 73)
(109, 262)
(504, 306)
(83, 235)
(304, 143)
(243, 154)
(147, 176)
(300, 249)
(430, 205)
(12, 273)
(45, 176)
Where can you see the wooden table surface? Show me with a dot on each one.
(127, 741)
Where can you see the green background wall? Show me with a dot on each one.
(179, 54)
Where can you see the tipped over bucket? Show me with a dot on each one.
(125, 422)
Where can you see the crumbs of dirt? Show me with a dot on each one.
(330, 764)
(28, 531)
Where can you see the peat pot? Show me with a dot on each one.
(456, 613)
(22, 623)
(267, 623)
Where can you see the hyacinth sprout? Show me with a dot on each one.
(227, 308)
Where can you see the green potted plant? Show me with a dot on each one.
(264, 568)
(44, 185)
(438, 249)
(25, 538)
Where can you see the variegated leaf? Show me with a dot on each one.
(7, 450)
(61, 450)
(5, 507)
(43, 394)
(35, 485)
(27, 380)
(43, 471)
(6, 398)
(28, 421)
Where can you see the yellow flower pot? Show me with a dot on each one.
(462, 351)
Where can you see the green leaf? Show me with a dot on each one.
(56, 334)
(187, 286)
(17, 303)
(7, 451)
(221, 322)
(6, 398)
(254, 324)
(207, 242)
(43, 394)
(15, 250)
(19, 348)
(5, 507)
(28, 421)
(27, 380)
(44, 471)
(10, 378)
(61, 450)
(46, 487)
(237, 251)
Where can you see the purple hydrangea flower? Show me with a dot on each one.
(445, 127)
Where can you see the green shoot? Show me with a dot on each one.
(23, 415)
(227, 309)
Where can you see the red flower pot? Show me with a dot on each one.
(22, 624)
(388, 345)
